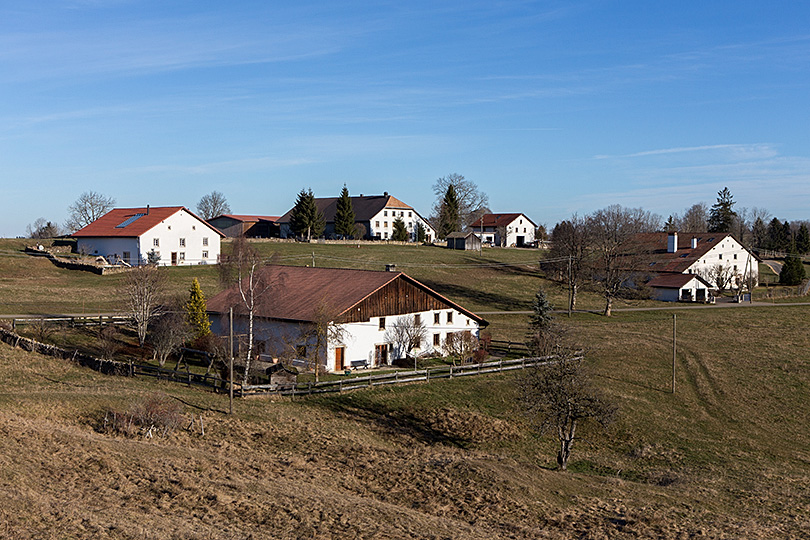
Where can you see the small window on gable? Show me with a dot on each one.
(385, 213)
(417, 319)
(720, 256)
(735, 256)
(156, 242)
(436, 318)
(449, 317)
(182, 242)
(205, 240)
(382, 323)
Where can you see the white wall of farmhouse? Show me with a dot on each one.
(182, 239)
(382, 224)
(111, 248)
(360, 340)
(730, 254)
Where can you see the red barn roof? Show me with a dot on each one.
(133, 222)
(497, 220)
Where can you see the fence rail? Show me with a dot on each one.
(89, 320)
(397, 377)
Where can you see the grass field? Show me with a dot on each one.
(726, 456)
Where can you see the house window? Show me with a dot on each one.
(385, 213)
(156, 242)
(377, 224)
(720, 256)
(386, 236)
(182, 255)
(205, 240)
(735, 256)
(417, 343)
(437, 340)
(401, 214)
(449, 317)
(417, 319)
(410, 214)
(385, 224)
(436, 318)
(204, 254)
(182, 242)
(382, 323)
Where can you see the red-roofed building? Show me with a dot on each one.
(505, 229)
(674, 258)
(364, 304)
(174, 234)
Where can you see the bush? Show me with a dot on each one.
(155, 414)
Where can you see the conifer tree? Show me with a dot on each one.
(400, 232)
(721, 216)
(541, 311)
(196, 311)
(793, 270)
(306, 220)
(449, 219)
(803, 240)
(344, 215)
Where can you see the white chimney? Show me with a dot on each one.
(694, 243)
(672, 242)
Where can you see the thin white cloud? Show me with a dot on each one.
(740, 151)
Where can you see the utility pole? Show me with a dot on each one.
(230, 362)
(674, 348)
(570, 287)
(313, 259)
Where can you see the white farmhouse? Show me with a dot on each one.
(710, 256)
(128, 235)
(364, 305)
(375, 213)
(505, 229)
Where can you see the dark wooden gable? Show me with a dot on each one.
(396, 298)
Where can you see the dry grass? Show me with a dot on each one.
(725, 457)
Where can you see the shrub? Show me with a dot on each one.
(155, 414)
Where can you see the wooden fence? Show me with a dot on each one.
(396, 377)
(98, 320)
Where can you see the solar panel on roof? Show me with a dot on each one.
(129, 221)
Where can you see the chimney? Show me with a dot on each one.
(672, 242)
(147, 209)
(390, 268)
(385, 194)
(694, 243)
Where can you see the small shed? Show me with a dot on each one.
(680, 288)
(465, 241)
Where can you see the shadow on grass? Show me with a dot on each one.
(401, 422)
(467, 295)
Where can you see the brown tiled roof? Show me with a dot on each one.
(365, 207)
(132, 222)
(246, 218)
(655, 245)
(675, 281)
(299, 291)
(497, 220)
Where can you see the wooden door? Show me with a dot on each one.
(380, 355)
(174, 258)
(339, 354)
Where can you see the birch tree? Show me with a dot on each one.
(144, 290)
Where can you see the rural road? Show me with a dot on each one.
(776, 266)
(657, 308)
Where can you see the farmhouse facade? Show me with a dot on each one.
(358, 313)
(505, 229)
(374, 213)
(171, 235)
(714, 258)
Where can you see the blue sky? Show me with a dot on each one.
(550, 107)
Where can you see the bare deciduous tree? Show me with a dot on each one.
(460, 345)
(321, 331)
(87, 208)
(406, 333)
(108, 342)
(613, 266)
(695, 219)
(472, 203)
(144, 289)
(721, 276)
(212, 205)
(559, 396)
(41, 229)
(252, 288)
(570, 241)
(169, 333)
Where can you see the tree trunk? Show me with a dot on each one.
(608, 305)
(573, 296)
